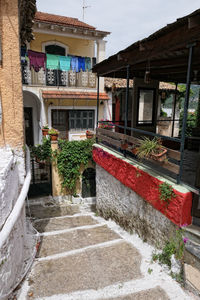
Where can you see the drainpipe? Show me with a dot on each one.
(97, 116)
(186, 103)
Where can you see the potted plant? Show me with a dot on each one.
(89, 134)
(53, 134)
(124, 144)
(45, 130)
(152, 149)
(106, 124)
(134, 150)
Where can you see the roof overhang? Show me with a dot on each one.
(164, 53)
(73, 95)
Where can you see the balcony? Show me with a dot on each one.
(49, 77)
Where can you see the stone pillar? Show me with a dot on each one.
(56, 181)
(101, 52)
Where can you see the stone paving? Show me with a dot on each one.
(83, 257)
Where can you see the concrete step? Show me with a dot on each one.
(90, 270)
(40, 211)
(192, 279)
(76, 239)
(54, 224)
(193, 233)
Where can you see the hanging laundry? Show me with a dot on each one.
(52, 62)
(88, 63)
(81, 63)
(37, 60)
(74, 63)
(23, 55)
(65, 63)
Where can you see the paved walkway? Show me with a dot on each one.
(84, 257)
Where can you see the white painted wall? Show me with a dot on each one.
(31, 100)
(101, 53)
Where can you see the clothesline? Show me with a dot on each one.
(40, 60)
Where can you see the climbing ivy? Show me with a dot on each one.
(70, 157)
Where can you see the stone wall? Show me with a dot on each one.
(9, 183)
(129, 193)
(12, 256)
(114, 200)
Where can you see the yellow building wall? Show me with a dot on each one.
(79, 47)
(11, 129)
(73, 103)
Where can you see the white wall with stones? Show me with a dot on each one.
(116, 201)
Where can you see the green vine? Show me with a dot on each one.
(42, 152)
(70, 157)
(166, 192)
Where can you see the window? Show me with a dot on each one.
(55, 49)
(81, 119)
(146, 106)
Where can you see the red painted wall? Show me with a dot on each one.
(146, 186)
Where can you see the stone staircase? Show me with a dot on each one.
(192, 259)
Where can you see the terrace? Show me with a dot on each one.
(169, 56)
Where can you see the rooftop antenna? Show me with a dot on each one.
(84, 8)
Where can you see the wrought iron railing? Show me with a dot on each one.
(170, 168)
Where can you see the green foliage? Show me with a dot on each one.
(166, 192)
(149, 147)
(42, 152)
(53, 131)
(191, 123)
(175, 246)
(163, 113)
(70, 157)
(45, 126)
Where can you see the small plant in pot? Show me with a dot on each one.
(53, 134)
(89, 134)
(45, 130)
(124, 144)
(152, 149)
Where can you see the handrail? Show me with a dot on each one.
(13, 217)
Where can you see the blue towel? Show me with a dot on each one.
(65, 63)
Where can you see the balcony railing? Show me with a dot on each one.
(49, 77)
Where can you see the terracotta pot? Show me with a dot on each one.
(124, 146)
(134, 151)
(160, 156)
(89, 135)
(45, 131)
(54, 137)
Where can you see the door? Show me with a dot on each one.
(28, 119)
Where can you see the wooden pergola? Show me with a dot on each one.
(172, 54)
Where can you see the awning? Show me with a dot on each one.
(164, 54)
(74, 95)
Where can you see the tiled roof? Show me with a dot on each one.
(73, 95)
(121, 83)
(61, 20)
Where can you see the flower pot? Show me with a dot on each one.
(89, 135)
(160, 156)
(45, 131)
(54, 137)
(134, 151)
(124, 145)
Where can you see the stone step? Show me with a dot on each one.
(54, 224)
(90, 269)
(76, 239)
(192, 279)
(152, 294)
(40, 211)
(193, 233)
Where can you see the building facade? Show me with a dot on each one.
(59, 88)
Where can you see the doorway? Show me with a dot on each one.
(89, 183)
(28, 119)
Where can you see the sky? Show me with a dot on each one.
(127, 20)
